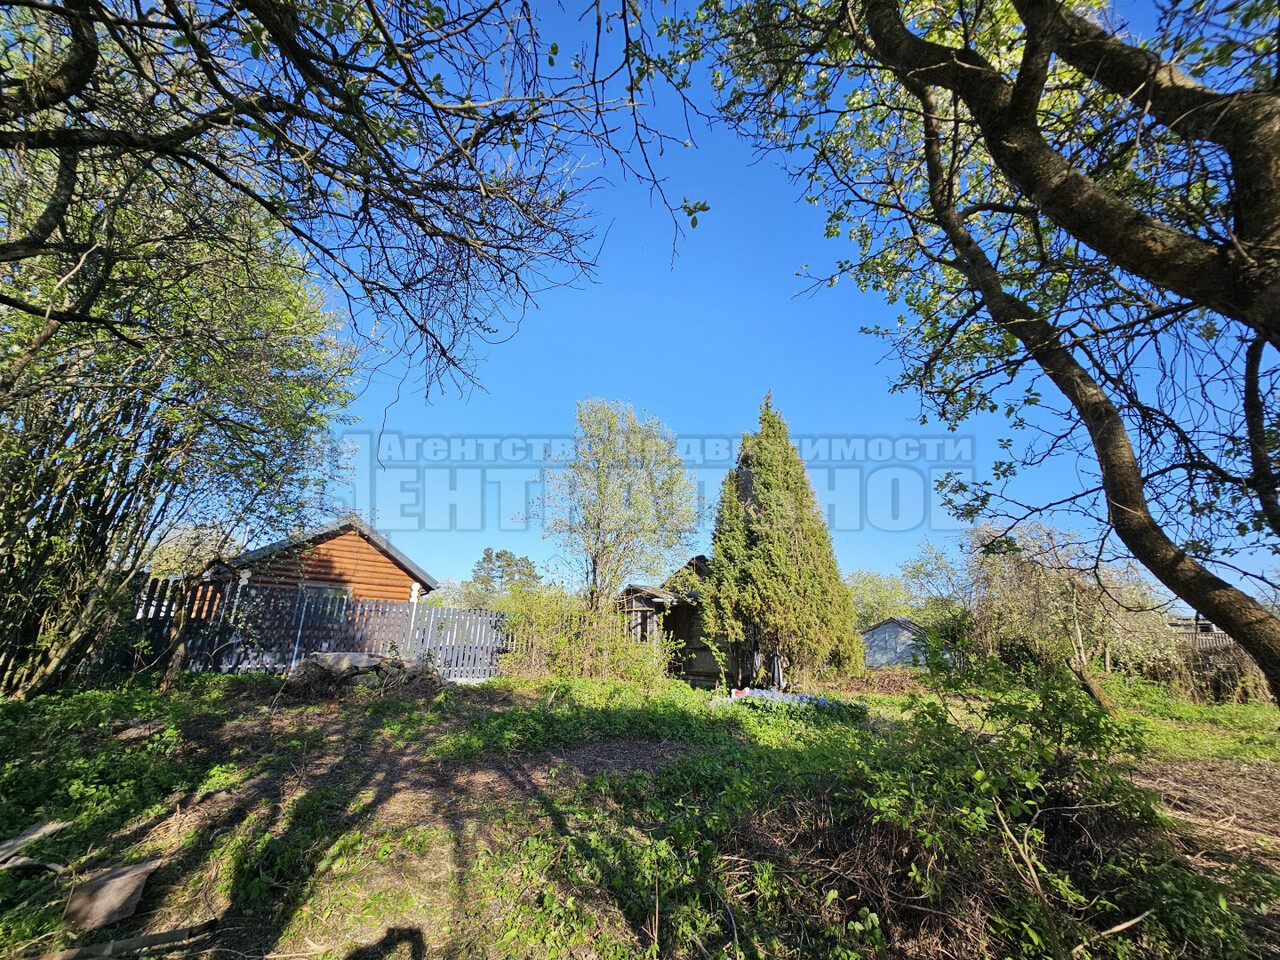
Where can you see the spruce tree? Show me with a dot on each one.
(773, 581)
(726, 573)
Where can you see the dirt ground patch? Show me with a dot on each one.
(1231, 811)
(515, 776)
(441, 817)
(1238, 803)
(433, 790)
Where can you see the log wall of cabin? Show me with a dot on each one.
(348, 561)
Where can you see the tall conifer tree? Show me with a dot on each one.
(726, 574)
(773, 581)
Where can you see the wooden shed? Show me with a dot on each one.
(645, 607)
(892, 642)
(344, 558)
(674, 609)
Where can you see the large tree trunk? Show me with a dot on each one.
(177, 645)
(1246, 621)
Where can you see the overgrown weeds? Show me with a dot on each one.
(555, 635)
(989, 822)
(986, 818)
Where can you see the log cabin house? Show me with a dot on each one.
(346, 557)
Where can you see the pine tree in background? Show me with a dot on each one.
(773, 581)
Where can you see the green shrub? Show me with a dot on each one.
(554, 634)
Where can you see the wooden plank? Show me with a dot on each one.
(438, 630)
(199, 623)
(288, 634)
(212, 635)
(381, 630)
(322, 632)
(402, 627)
(312, 620)
(146, 610)
(474, 658)
(337, 617)
(457, 649)
(398, 624)
(471, 662)
(457, 653)
(323, 635)
(355, 635)
(377, 611)
(368, 642)
(395, 624)
(439, 650)
(479, 641)
(389, 631)
(351, 636)
(427, 633)
(148, 613)
(354, 641)
(276, 615)
(414, 630)
(431, 634)
(491, 645)
(493, 641)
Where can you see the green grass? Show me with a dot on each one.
(460, 826)
(1176, 728)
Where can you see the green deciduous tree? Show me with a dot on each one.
(621, 505)
(773, 583)
(1042, 599)
(108, 449)
(879, 596)
(426, 156)
(1084, 229)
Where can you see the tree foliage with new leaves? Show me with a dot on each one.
(427, 157)
(110, 451)
(1042, 599)
(773, 582)
(621, 505)
(1085, 230)
(495, 576)
(878, 596)
(501, 571)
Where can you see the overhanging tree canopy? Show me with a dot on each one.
(427, 157)
(1056, 202)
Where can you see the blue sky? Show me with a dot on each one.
(696, 341)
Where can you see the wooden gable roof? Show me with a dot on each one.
(352, 524)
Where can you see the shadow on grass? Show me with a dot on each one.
(391, 943)
(251, 809)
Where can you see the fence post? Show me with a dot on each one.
(297, 639)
